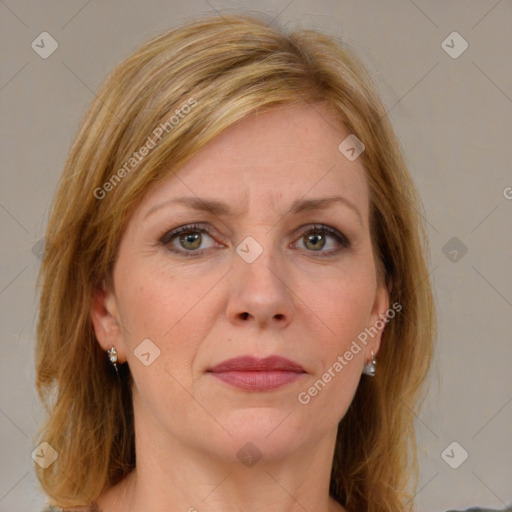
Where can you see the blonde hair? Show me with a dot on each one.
(224, 68)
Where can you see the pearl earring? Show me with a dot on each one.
(369, 368)
(112, 355)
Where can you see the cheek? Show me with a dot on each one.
(344, 310)
(153, 307)
(346, 306)
(340, 356)
(152, 301)
(165, 307)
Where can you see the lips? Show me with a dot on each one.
(252, 374)
(252, 364)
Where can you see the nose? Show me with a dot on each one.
(260, 292)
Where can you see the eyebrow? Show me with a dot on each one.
(218, 208)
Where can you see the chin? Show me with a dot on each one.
(274, 433)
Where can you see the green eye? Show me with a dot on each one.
(186, 240)
(316, 238)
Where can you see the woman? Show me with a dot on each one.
(235, 306)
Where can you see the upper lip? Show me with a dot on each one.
(249, 363)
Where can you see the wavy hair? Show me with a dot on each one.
(226, 68)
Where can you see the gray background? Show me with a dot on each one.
(453, 118)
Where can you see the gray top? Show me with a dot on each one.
(478, 509)
(472, 509)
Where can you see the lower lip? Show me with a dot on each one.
(258, 380)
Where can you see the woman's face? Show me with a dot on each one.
(268, 273)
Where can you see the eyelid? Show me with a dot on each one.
(194, 226)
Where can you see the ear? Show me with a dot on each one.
(378, 317)
(106, 322)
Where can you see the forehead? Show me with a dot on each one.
(270, 159)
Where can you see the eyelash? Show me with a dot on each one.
(167, 238)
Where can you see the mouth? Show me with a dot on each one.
(252, 374)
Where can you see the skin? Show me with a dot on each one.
(299, 304)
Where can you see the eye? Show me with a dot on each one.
(316, 238)
(186, 240)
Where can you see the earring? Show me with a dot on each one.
(369, 368)
(112, 355)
